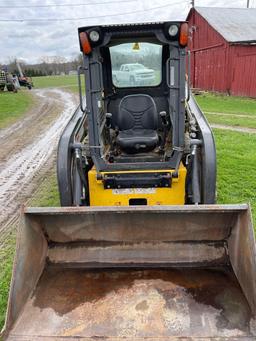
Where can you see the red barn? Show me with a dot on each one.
(223, 49)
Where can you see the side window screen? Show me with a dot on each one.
(136, 64)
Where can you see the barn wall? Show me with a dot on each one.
(209, 55)
(218, 66)
(243, 70)
(209, 69)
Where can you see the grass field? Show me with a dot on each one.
(232, 120)
(13, 106)
(46, 195)
(227, 104)
(237, 111)
(6, 261)
(236, 170)
(68, 82)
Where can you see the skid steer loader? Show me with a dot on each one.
(149, 256)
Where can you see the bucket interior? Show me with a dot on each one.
(136, 303)
(133, 274)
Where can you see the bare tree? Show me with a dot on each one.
(48, 65)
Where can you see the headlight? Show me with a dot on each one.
(173, 30)
(94, 36)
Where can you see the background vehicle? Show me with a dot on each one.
(2, 80)
(23, 79)
(8, 80)
(149, 256)
(133, 74)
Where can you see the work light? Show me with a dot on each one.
(173, 30)
(94, 36)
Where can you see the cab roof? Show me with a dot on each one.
(131, 26)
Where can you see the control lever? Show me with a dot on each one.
(108, 119)
(108, 125)
(163, 116)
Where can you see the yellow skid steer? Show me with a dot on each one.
(139, 251)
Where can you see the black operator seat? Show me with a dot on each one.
(137, 123)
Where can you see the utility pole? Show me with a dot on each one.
(248, 3)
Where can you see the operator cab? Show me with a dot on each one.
(138, 109)
(135, 83)
(138, 121)
(140, 138)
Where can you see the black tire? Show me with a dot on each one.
(10, 87)
(29, 87)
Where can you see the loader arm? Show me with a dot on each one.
(208, 153)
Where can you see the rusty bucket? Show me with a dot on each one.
(134, 273)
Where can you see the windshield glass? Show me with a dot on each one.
(136, 64)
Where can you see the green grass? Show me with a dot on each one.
(232, 120)
(69, 82)
(227, 104)
(47, 193)
(13, 106)
(236, 168)
(6, 262)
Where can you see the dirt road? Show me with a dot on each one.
(233, 128)
(229, 114)
(27, 150)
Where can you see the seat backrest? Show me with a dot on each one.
(137, 112)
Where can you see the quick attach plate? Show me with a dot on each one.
(137, 180)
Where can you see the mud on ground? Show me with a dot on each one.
(28, 150)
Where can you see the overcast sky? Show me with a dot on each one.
(35, 37)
